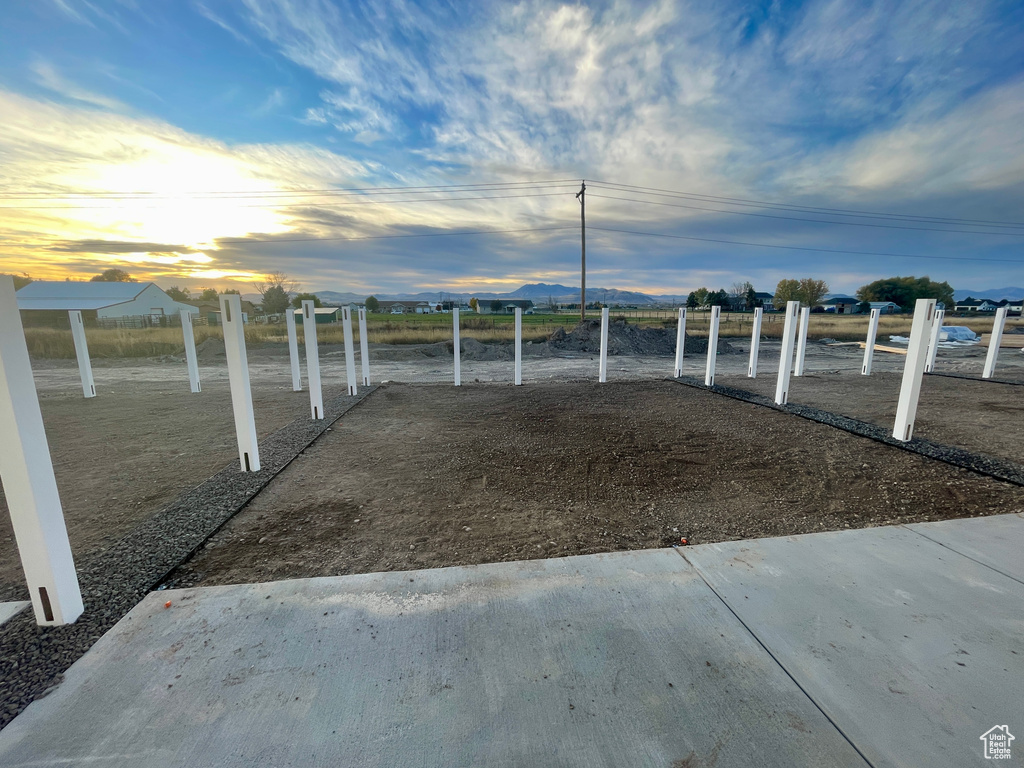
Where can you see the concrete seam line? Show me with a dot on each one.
(988, 466)
(774, 658)
(963, 554)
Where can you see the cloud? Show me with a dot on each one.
(117, 246)
(47, 76)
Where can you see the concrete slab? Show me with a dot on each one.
(605, 660)
(995, 541)
(10, 610)
(912, 649)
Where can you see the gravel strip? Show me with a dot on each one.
(989, 466)
(977, 378)
(33, 658)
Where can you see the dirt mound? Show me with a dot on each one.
(410, 351)
(626, 339)
(210, 351)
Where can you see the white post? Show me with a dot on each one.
(755, 343)
(993, 343)
(913, 372)
(238, 378)
(364, 345)
(519, 346)
(293, 349)
(350, 350)
(190, 350)
(457, 343)
(82, 352)
(316, 398)
(680, 341)
(709, 368)
(602, 371)
(869, 349)
(27, 474)
(801, 343)
(786, 357)
(933, 341)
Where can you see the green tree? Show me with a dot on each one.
(864, 307)
(905, 291)
(812, 291)
(230, 291)
(299, 298)
(112, 275)
(275, 300)
(208, 294)
(20, 281)
(786, 290)
(751, 298)
(701, 296)
(178, 294)
(718, 298)
(372, 305)
(495, 306)
(691, 300)
(474, 304)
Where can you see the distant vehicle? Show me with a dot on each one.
(397, 311)
(528, 312)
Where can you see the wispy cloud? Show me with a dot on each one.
(48, 77)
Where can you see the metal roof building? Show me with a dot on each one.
(105, 299)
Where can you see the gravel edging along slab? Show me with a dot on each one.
(998, 469)
(33, 658)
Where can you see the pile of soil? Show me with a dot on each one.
(211, 351)
(626, 339)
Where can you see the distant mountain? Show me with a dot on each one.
(541, 291)
(991, 293)
(538, 292)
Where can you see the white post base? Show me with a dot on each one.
(602, 370)
(27, 473)
(238, 378)
(993, 343)
(364, 345)
(190, 351)
(786, 356)
(933, 340)
(869, 348)
(680, 341)
(709, 368)
(350, 351)
(82, 353)
(316, 399)
(913, 372)
(801, 343)
(293, 350)
(457, 343)
(755, 343)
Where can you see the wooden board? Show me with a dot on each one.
(881, 348)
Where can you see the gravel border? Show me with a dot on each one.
(998, 469)
(976, 378)
(33, 658)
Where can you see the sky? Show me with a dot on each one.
(396, 146)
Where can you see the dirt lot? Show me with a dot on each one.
(424, 476)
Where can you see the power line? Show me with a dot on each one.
(801, 248)
(738, 201)
(796, 218)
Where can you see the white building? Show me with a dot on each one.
(106, 300)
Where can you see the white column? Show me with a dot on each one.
(519, 346)
(457, 343)
(190, 350)
(913, 372)
(709, 368)
(350, 351)
(680, 341)
(82, 352)
(993, 342)
(238, 378)
(755, 343)
(933, 340)
(293, 349)
(869, 348)
(27, 474)
(602, 371)
(786, 357)
(364, 347)
(801, 341)
(316, 398)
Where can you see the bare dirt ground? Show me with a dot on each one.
(426, 476)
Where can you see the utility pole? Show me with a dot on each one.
(582, 197)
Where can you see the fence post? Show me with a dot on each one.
(801, 343)
(933, 341)
(709, 368)
(350, 350)
(786, 356)
(316, 398)
(519, 346)
(680, 341)
(457, 345)
(238, 378)
(913, 372)
(82, 353)
(993, 342)
(27, 472)
(364, 344)
(755, 343)
(190, 350)
(293, 349)
(869, 348)
(602, 370)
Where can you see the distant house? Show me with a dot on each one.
(407, 307)
(210, 310)
(977, 305)
(322, 315)
(885, 307)
(767, 301)
(508, 306)
(47, 302)
(841, 305)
